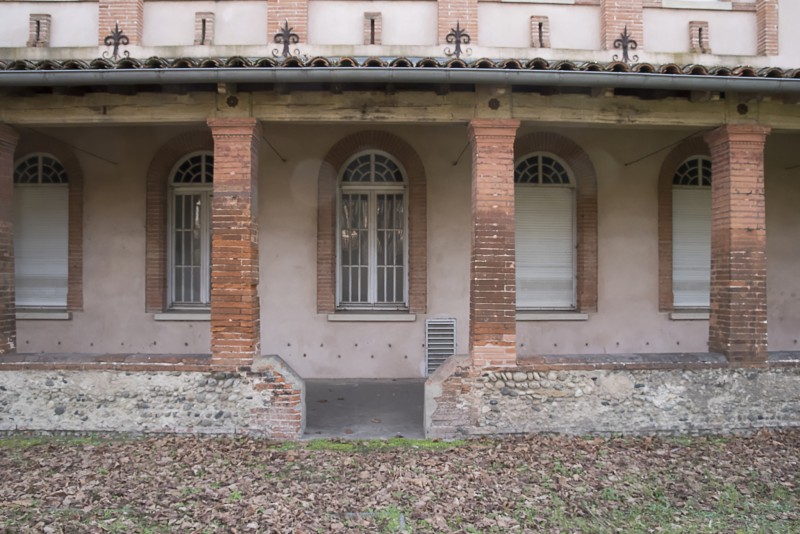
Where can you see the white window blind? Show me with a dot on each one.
(41, 245)
(545, 230)
(691, 247)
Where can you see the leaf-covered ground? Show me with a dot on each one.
(532, 484)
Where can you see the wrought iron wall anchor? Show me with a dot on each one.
(458, 37)
(285, 36)
(116, 39)
(626, 43)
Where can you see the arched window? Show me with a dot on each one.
(189, 233)
(41, 232)
(372, 252)
(691, 233)
(544, 199)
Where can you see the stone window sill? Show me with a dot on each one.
(694, 4)
(43, 315)
(697, 315)
(183, 316)
(551, 316)
(349, 317)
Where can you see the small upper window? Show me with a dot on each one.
(373, 167)
(541, 169)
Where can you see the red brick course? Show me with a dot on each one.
(691, 147)
(616, 15)
(492, 301)
(585, 207)
(235, 310)
(464, 12)
(767, 21)
(417, 215)
(158, 175)
(8, 321)
(129, 14)
(738, 322)
(295, 12)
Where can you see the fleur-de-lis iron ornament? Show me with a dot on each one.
(116, 39)
(458, 37)
(626, 43)
(286, 37)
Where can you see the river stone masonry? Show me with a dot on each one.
(266, 401)
(523, 400)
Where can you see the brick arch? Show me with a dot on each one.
(695, 146)
(34, 143)
(156, 212)
(417, 215)
(585, 207)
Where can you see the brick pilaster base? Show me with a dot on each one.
(235, 323)
(738, 323)
(8, 322)
(492, 292)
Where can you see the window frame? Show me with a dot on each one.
(371, 189)
(65, 185)
(206, 192)
(700, 186)
(573, 187)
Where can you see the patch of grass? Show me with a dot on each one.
(26, 442)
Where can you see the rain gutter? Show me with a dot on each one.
(398, 75)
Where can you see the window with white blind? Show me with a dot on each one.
(41, 232)
(544, 199)
(691, 233)
(189, 232)
(372, 254)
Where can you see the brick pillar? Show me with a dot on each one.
(767, 21)
(128, 13)
(8, 321)
(462, 11)
(492, 291)
(293, 11)
(738, 324)
(616, 14)
(235, 324)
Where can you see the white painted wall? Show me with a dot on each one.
(72, 23)
(342, 22)
(730, 33)
(509, 25)
(235, 22)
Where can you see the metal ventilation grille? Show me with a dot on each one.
(440, 342)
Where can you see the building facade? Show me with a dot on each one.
(203, 204)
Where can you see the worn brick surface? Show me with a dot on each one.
(129, 14)
(235, 310)
(738, 322)
(464, 12)
(767, 21)
(39, 30)
(492, 294)
(295, 12)
(8, 323)
(616, 15)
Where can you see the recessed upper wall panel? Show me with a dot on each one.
(235, 23)
(509, 25)
(342, 23)
(730, 33)
(72, 23)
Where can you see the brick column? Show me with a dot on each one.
(235, 324)
(616, 14)
(492, 291)
(767, 21)
(738, 324)
(293, 11)
(128, 13)
(8, 321)
(462, 11)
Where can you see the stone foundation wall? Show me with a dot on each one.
(523, 400)
(267, 400)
